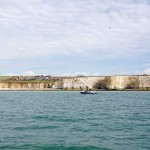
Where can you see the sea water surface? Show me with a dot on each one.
(72, 121)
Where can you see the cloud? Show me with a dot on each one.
(75, 74)
(8, 74)
(28, 73)
(146, 65)
(147, 71)
(25, 73)
(39, 28)
(48, 36)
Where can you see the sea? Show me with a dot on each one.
(59, 120)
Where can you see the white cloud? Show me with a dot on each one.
(147, 71)
(28, 73)
(76, 74)
(25, 73)
(146, 65)
(9, 74)
(40, 27)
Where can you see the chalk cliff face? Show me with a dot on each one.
(81, 83)
(135, 82)
(25, 85)
(111, 82)
(144, 81)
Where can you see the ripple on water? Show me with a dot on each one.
(70, 121)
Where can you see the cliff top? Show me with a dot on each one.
(42, 78)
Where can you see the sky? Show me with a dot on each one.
(90, 37)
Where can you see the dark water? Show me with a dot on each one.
(71, 121)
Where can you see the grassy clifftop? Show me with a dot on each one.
(3, 78)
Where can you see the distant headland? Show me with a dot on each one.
(48, 83)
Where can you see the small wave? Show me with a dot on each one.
(35, 127)
(40, 117)
(58, 118)
(34, 147)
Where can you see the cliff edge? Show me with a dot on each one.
(135, 82)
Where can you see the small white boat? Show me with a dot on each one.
(88, 92)
(93, 92)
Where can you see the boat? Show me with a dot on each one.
(88, 92)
